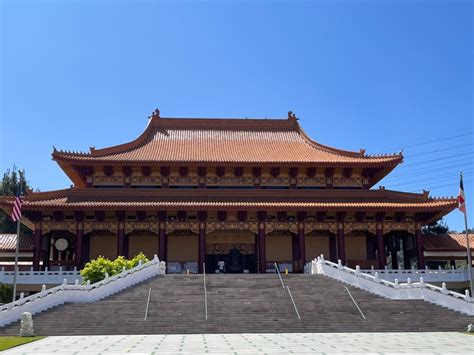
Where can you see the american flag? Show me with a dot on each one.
(16, 214)
(461, 198)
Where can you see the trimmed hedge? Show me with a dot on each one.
(96, 269)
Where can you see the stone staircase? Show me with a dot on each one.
(242, 304)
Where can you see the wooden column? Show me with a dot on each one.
(419, 247)
(261, 248)
(162, 242)
(295, 251)
(121, 248)
(38, 247)
(332, 248)
(381, 246)
(202, 246)
(341, 245)
(79, 253)
(302, 247)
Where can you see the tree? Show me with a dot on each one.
(438, 227)
(12, 182)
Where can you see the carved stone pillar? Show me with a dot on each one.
(381, 246)
(162, 242)
(341, 244)
(202, 246)
(261, 248)
(79, 252)
(419, 247)
(38, 247)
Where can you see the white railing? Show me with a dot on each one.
(395, 290)
(78, 293)
(439, 275)
(47, 277)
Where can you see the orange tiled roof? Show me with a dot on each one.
(173, 140)
(447, 242)
(8, 242)
(113, 199)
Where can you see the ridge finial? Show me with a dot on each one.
(292, 116)
(155, 114)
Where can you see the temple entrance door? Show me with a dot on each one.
(235, 261)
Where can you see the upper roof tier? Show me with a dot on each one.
(228, 141)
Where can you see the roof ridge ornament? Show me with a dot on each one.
(292, 116)
(155, 114)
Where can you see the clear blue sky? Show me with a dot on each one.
(379, 75)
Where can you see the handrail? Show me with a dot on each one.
(395, 290)
(355, 303)
(205, 288)
(279, 275)
(147, 304)
(294, 304)
(78, 293)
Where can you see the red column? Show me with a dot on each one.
(79, 246)
(38, 247)
(341, 245)
(162, 242)
(202, 245)
(332, 248)
(121, 240)
(261, 247)
(302, 246)
(381, 246)
(419, 247)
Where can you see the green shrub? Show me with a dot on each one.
(96, 269)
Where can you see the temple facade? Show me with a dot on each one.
(235, 195)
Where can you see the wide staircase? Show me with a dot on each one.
(242, 304)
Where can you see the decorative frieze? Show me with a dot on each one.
(229, 180)
(347, 181)
(108, 180)
(183, 180)
(251, 226)
(275, 181)
(311, 181)
(312, 226)
(101, 226)
(146, 180)
(289, 226)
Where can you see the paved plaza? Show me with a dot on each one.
(284, 343)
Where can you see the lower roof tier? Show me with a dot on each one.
(256, 200)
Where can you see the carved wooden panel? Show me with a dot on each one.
(275, 181)
(312, 181)
(146, 180)
(345, 181)
(183, 180)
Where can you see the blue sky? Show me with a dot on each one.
(379, 75)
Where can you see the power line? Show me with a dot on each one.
(438, 159)
(428, 180)
(437, 151)
(411, 175)
(447, 185)
(427, 142)
(459, 164)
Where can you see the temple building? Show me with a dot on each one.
(231, 194)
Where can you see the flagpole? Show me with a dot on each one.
(468, 248)
(16, 258)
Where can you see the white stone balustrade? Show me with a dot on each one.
(395, 290)
(77, 293)
(439, 275)
(47, 277)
